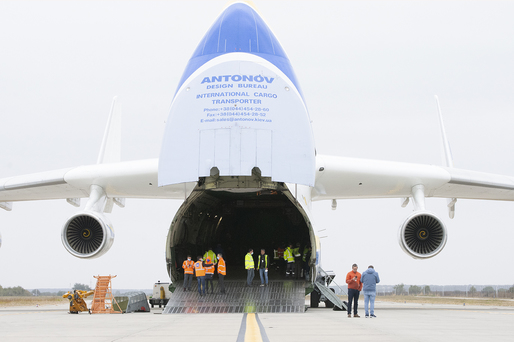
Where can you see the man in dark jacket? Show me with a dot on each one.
(370, 279)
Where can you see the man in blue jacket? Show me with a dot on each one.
(369, 280)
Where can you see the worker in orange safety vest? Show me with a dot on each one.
(222, 272)
(209, 274)
(188, 267)
(200, 275)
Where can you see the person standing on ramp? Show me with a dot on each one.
(188, 267)
(222, 272)
(250, 267)
(200, 276)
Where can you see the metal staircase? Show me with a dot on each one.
(327, 292)
(103, 300)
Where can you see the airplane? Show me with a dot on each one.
(239, 150)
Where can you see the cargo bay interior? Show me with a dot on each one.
(237, 219)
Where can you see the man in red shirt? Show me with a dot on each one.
(353, 279)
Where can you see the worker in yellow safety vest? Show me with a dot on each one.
(250, 267)
(210, 255)
(200, 276)
(222, 272)
(262, 265)
(289, 258)
(188, 266)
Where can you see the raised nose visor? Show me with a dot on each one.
(238, 106)
(239, 29)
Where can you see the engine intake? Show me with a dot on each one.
(87, 235)
(422, 235)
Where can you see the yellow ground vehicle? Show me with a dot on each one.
(161, 294)
(77, 302)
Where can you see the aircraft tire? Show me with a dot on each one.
(314, 299)
(328, 303)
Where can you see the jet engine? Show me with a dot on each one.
(422, 235)
(87, 235)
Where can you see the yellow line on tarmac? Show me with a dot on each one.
(253, 333)
(252, 329)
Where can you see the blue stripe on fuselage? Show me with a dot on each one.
(240, 29)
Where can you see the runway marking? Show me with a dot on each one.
(252, 329)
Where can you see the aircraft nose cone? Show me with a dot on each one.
(239, 29)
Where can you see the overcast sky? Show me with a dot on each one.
(368, 70)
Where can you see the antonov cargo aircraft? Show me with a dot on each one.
(238, 149)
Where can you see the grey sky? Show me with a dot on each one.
(368, 70)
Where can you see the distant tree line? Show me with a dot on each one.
(14, 291)
(20, 291)
(487, 291)
(47, 294)
(82, 287)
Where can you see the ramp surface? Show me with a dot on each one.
(278, 296)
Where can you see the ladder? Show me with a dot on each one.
(103, 300)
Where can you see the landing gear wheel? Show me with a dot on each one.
(314, 299)
(328, 303)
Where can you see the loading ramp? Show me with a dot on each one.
(278, 296)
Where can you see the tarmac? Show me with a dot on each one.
(394, 322)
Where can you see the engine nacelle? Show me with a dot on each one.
(422, 235)
(87, 235)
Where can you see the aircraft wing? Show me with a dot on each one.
(336, 178)
(133, 179)
(345, 178)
